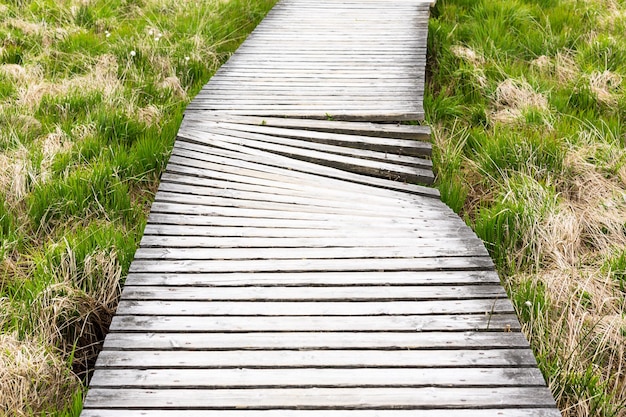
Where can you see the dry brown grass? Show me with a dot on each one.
(32, 85)
(15, 169)
(512, 98)
(605, 85)
(467, 54)
(566, 68)
(18, 174)
(581, 334)
(32, 377)
(583, 330)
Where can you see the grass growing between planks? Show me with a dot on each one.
(528, 107)
(91, 96)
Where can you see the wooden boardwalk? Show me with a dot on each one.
(296, 266)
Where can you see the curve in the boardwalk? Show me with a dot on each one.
(296, 263)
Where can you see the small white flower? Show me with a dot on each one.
(187, 59)
(150, 32)
(133, 53)
(528, 304)
(157, 38)
(107, 34)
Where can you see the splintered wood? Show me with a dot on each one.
(296, 262)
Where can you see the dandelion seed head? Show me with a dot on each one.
(133, 53)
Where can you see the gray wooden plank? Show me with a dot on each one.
(312, 279)
(276, 165)
(369, 115)
(177, 174)
(177, 203)
(309, 308)
(154, 238)
(348, 129)
(385, 144)
(230, 196)
(187, 154)
(495, 412)
(275, 208)
(182, 204)
(373, 252)
(298, 359)
(169, 226)
(316, 377)
(315, 340)
(326, 293)
(482, 322)
(194, 167)
(284, 227)
(312, 265)
(353, 398)
(365, 148)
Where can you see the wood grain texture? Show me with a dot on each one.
(322, 398)
(316, 377)
(374, 343)
(466, 322)
(495, 412)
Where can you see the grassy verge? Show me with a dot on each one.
(91, 96)
(528, 107)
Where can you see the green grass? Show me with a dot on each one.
(91, 95)
(527, 102)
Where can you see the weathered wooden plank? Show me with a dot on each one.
(298, 359)
(203, 193)
(180, 174)
(392, 138)
(155, 238)
(277, 65)
(306, 170)
(315, 340)
(293, 88)
(496, 412)
(346, 129)
(169, 226)
(313, 279)
(391, 154)
(327, 293)
(276, 209)
(370, 115)
(482, 322)
(350, 99)
(190, 163)
(306, 265)
(361, 398)
(184, 204)
(318, 308)
(315, 377)
(175, 203)
(271, 165)
(380, 252)
(267, 227)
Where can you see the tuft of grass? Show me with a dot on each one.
(526, 100)
(91, 97)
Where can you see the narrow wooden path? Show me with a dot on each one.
(296, 263)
